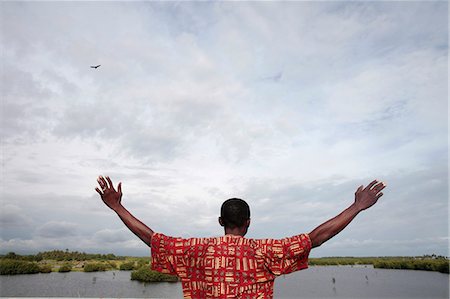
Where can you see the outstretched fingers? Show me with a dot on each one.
(102, 182)
(98, 191)
(110, 183)
(379, 186)
(369, 187)
(106, 184)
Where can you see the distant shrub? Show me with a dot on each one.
(127, 266)
(60, 255)
(440, 265)
(112, 265)
(143, 262)
(93, 267)
(145, 274)
(45, 268)
(65, 268)
(12, 267)
(443, 267)
(14, 256)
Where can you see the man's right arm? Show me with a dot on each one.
(112, 199)
(364, 199)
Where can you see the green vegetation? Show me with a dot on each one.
(65, 261)
(66, 267)
(134, 263)
(426, 262)
(60, 255)
(439, 265)
(11, 267)
(331, 261)
(45, 268)
(13, 256)
(127, 266)
(141, 262)
(94, 267)
(112, 265)
(144, 274)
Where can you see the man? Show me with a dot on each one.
(232, 266)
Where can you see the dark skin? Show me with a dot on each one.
(364, 199)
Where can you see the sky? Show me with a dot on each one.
(288, 105)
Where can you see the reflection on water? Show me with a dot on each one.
(361, 282)
(114, 284)
(315, 282)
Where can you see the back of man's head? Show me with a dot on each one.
(234, 213)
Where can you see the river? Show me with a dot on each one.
(315, 282)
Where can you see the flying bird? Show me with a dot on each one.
(95, 66)
(275, 78)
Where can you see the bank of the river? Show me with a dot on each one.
(426, 263)
(65, 261)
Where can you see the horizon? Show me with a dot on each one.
(147, 256)
(288, 105)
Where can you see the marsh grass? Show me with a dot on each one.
(12, 267)
(427, 263)
(64, 261)
(144, 274)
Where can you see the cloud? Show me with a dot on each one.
(57, 229)
(12, 216)
(290, 106)
(23, 112)
(111, 236)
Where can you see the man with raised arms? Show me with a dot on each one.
(232, 266)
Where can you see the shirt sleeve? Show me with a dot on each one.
(168, 254)
(288, 255)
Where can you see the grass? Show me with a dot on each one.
(67, 267)
(12, 267)
(94, 267)
(438, 265)
(12, 263)
(144, 274)
(426, 263)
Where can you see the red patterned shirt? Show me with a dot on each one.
(229, 266)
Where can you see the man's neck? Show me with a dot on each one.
(237, 231)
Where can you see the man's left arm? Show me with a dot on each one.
(364, 199)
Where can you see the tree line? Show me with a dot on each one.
(13, 263)
(61, 255)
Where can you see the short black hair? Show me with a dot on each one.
(234, 213)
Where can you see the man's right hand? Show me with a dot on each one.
(109, 195)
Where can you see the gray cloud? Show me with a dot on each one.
(415, 204)
(57, 229)
(12, 216)
(111, 236)
(24, 113)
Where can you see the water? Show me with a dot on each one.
(316, 282)
(115, 284)
(361, 282)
